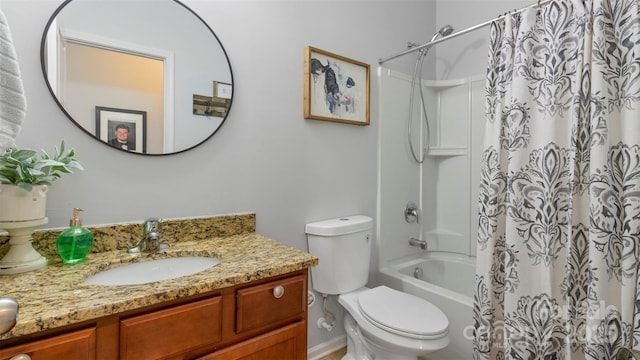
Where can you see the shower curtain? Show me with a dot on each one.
(559, 210)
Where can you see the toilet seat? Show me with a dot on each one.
(396, 342)
(402, 314)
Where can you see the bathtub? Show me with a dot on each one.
(446, 280)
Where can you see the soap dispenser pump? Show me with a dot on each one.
(74, 243)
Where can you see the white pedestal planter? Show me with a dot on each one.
(17, 204)
(22, 257)
(21, 212)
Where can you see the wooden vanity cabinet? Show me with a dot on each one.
(264, 319)
(270, 306)
(172, 331)
(287, 342)
(77, 345)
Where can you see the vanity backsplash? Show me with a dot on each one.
(124, 236)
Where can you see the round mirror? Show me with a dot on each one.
(146, 76)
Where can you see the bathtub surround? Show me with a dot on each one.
(444, 182)
(558, 238)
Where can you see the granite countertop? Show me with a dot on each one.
(57, 294)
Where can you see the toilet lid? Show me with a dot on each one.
(403, 314)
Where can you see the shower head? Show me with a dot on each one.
(444, 31)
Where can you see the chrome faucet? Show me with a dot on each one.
(150, 238)
(422, 244)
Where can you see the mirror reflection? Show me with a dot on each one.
(146, 76)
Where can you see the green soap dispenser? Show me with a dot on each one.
(74, 243)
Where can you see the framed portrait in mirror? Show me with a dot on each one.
(123, 129)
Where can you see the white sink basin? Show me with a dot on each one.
(153, 270)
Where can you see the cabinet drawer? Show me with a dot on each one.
(78, 345)
(270, 303)
(167, 332)
(288, 342)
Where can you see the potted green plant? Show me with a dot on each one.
(25, 177)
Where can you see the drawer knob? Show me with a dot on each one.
(278, 291)
(21, 357)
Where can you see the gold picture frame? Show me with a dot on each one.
(336, 88)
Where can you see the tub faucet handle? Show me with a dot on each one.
(411, 213)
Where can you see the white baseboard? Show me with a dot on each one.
(326, 348)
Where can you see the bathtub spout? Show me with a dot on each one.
(419, 243)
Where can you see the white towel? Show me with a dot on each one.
(13, 104)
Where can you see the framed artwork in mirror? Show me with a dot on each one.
(222, 90)
(122, 128)
(216, 105)
(336, 88)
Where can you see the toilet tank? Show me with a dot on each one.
(343, 248)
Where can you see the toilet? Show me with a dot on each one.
(381, 323)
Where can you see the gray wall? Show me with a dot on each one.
(467, 55)
(266, 158)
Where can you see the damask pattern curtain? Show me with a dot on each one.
(559, 212)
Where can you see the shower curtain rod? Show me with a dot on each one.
(456, 34)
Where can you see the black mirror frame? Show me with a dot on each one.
(44, 73)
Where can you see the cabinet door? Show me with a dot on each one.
(173, 331)
(289, 342)
(77, 345)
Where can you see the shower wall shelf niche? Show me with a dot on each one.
(457, 117)
(450, 105)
